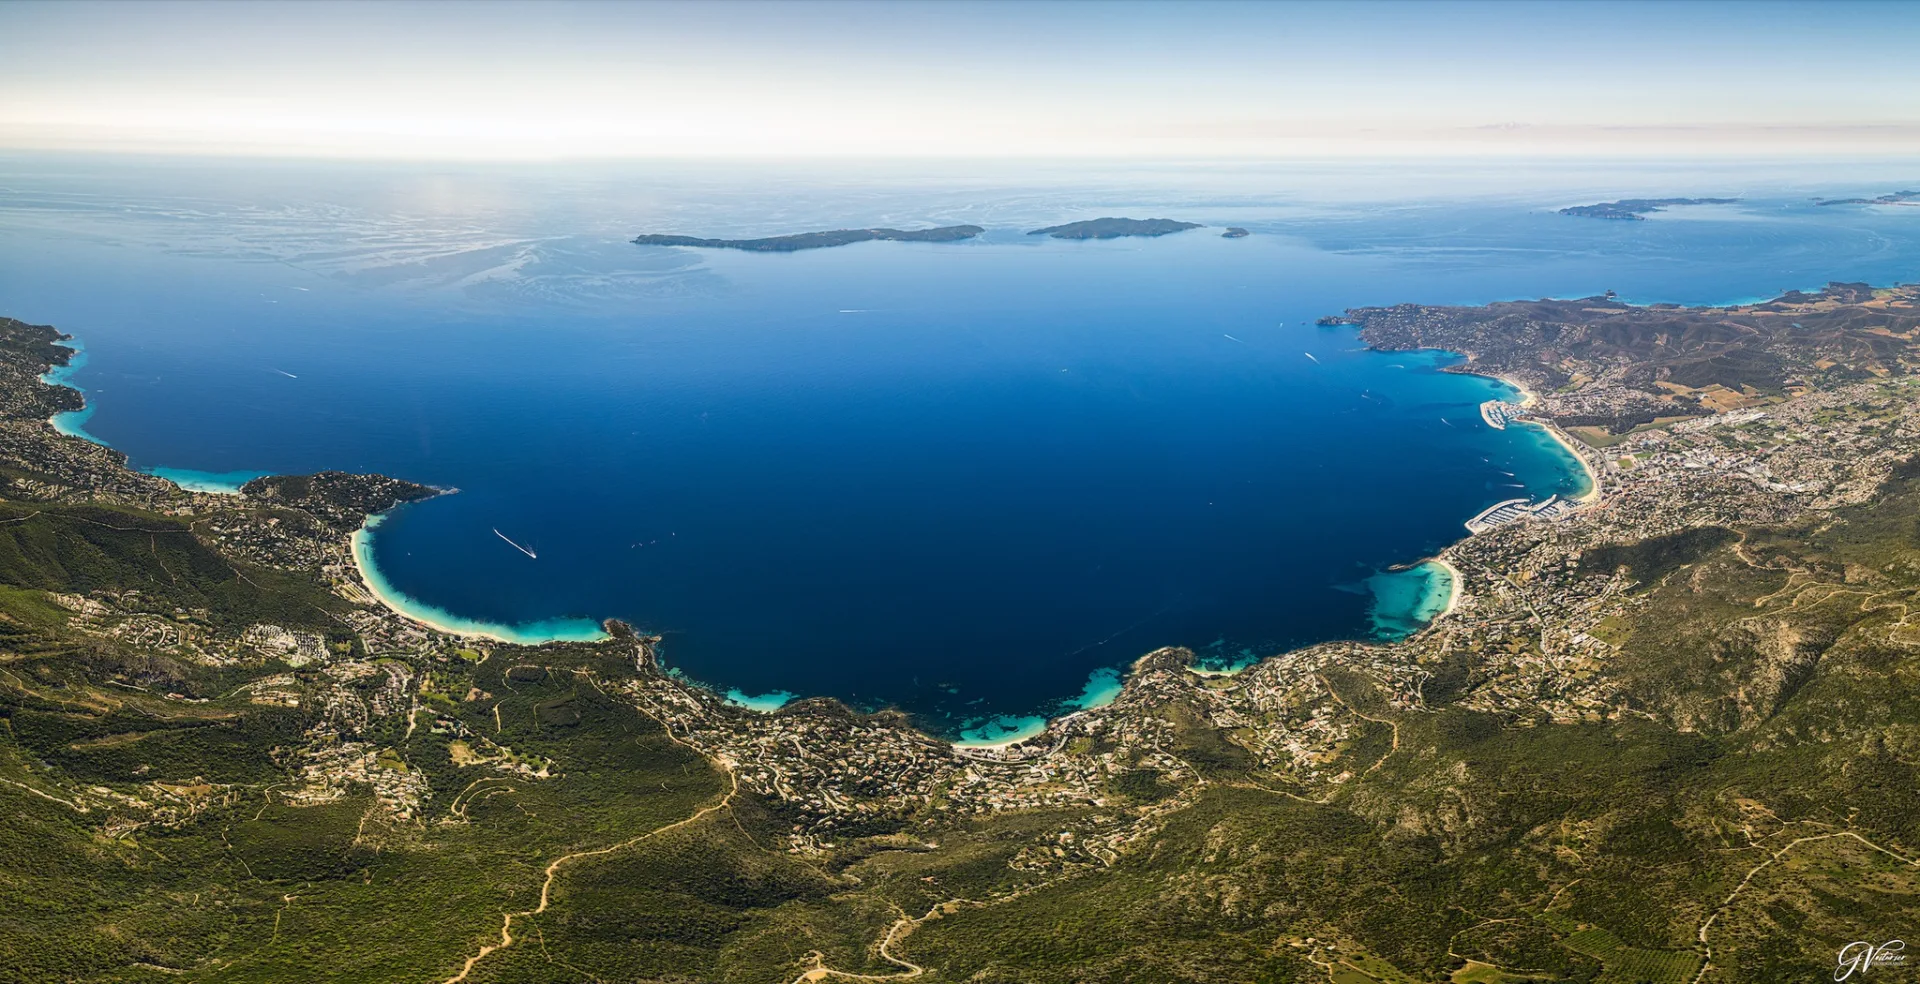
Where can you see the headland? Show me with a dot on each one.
(1894, 198)
(1637, 209)
(1114, 228)
(818, 240)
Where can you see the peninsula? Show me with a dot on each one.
(1636, 209)
(1668, 734)
(1111, 228)
(1896, 198)
(818, 240)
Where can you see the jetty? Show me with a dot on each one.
(1499, 413)
(1521, 511)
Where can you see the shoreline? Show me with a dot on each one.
(360, 546)
(70, 423)
(1104, 685)
(1454, 589)
(73, 423)
(1567, 442)
(766, 703)
(1030, 728)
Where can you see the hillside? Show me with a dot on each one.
(818, 240)
(1111, 228)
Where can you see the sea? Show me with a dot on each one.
(973, 481)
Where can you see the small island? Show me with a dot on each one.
(1111, 228)
(818, 240)
(1897, 198)
(1636, 209)
(1235, 232)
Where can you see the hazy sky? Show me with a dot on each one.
(601, 79)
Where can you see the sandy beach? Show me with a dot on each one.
(1454, 590)
(1201, 671)
(1029, 728)
(1573, 448)
(1529, 398)
(360, 544)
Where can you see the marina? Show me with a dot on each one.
(1521, 510)
(1499, 413)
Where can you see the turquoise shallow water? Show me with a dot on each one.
(1404, 601)
(72, 423)
(972, 480)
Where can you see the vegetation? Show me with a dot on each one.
(1111, 228)
(1636, 209)
(818, 240)
(1484, 847)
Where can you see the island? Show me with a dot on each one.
(1636, 209)
(1111, 228)
(1661, 731)
(818, 240)
(1896, 198)
(1235, 232)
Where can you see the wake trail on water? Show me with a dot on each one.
(516, 546)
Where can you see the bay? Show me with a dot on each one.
(971, 480)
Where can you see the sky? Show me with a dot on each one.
(507, 81)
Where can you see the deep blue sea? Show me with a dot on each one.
(970, 480)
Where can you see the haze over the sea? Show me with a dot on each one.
(970, 479)
(847, 80)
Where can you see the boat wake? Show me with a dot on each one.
(516, 546)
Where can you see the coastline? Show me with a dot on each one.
(1567, 443)
(213, 483)
(1222, 671)
(1527, 397)
(1408, 599)
(360, 546)
(1454, 590)
(765, 703)
(69, 423)
(1028, 729)
(1102, 688)
(73, 423)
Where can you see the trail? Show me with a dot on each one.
(1395, 725)
(74, 805)
(553, 869)
(910, 969)
(906, 924)
(1707, 949)
(516, 546)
